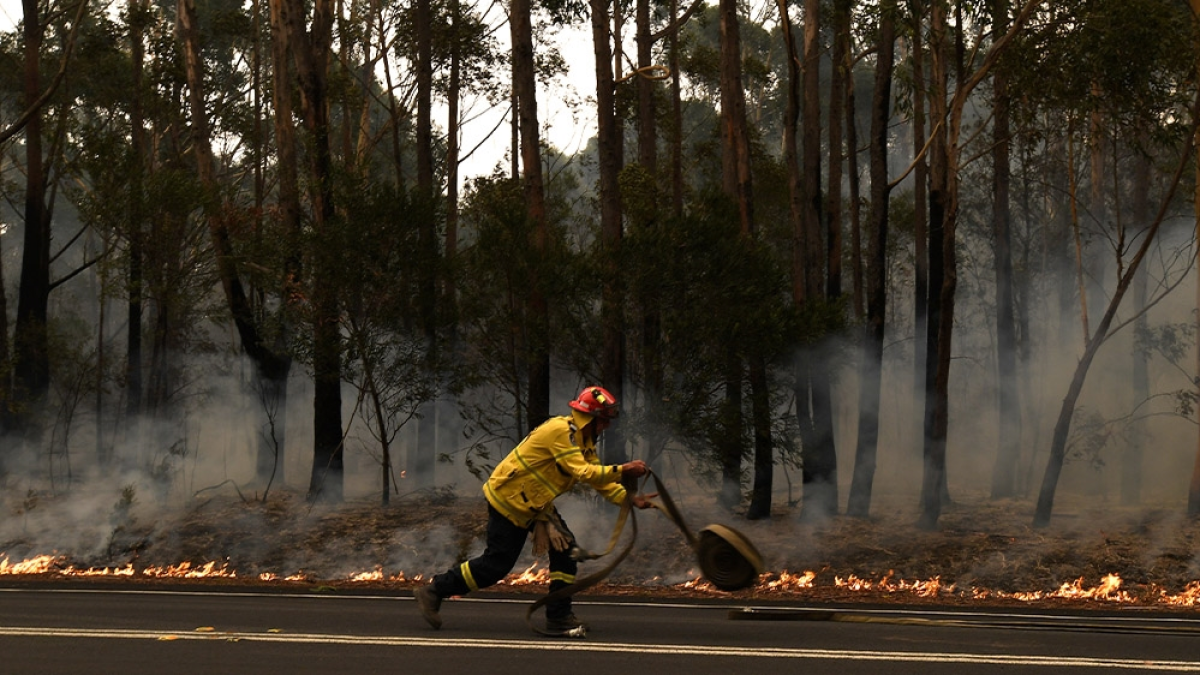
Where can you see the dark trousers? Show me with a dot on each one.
(505, 541)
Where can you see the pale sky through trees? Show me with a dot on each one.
(566, 121)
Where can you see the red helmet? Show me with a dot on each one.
(596, 401)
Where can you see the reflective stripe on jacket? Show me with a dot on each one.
(551, 459)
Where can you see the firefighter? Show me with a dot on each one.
(520, 495)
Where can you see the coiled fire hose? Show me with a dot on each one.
(726, 557)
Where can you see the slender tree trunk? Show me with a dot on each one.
(1131, 459)
(676, 118)
(271, 368)
(791, 159)
(424, 452)
(935, 416)
(612, 367)
(287, 177)
(137, 137)
(920, 211)
(820, 497)
(876, 286)
(453, 126)
(310, 51)
(836, 121)
(5, 372)
(31, 364)
(1009, 448)
(737, 186)
(735, 141)
(796, 207)
(1193, 506)
(525, 86)
(764, 446)
(1062, 427)
(652, 377)
(647, 126)
(855, 196)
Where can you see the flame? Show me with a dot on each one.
(1190, 597)
(531, 575)
(929, 588)
(788, 581)
(1109, 589)
(38, 565)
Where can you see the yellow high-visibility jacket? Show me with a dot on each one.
(551, 459)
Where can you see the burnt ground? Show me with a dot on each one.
(982, 553)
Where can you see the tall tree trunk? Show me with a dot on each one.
(1131, 459)
(1193, 506)
(31, 364)
(652, 376)
(271, 368)
(920, 211)
(737, 186)
(453, 126)
(538, 368)
(647, 126)
(134, 281)
(855, 196)
(676, 118)
(840, 73)
(287, 177)
(1008, 452)
(796, 217)
(820, 497)
(764, 446)
(934, 491)
(310, 52)
(5, 373)
(876, 287)
(424, 452)
(935, 415)
(735, 140)
(612, 367)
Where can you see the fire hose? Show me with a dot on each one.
(726, 557)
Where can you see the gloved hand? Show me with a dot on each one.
(636, 469)
(558, 540)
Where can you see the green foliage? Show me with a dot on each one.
(501, 270)
(1125, 58)
(719, 295)
(389, 355)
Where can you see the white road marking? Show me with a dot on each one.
(611, 647)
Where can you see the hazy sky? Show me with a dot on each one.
(562, 128)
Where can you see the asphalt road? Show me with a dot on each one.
(55, 630)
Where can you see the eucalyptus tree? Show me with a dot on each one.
(31, 362)
(1009, 450)
(946, 162)
(1133, 79)
(875, 287)
(309, 39)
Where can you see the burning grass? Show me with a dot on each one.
(984, 552)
